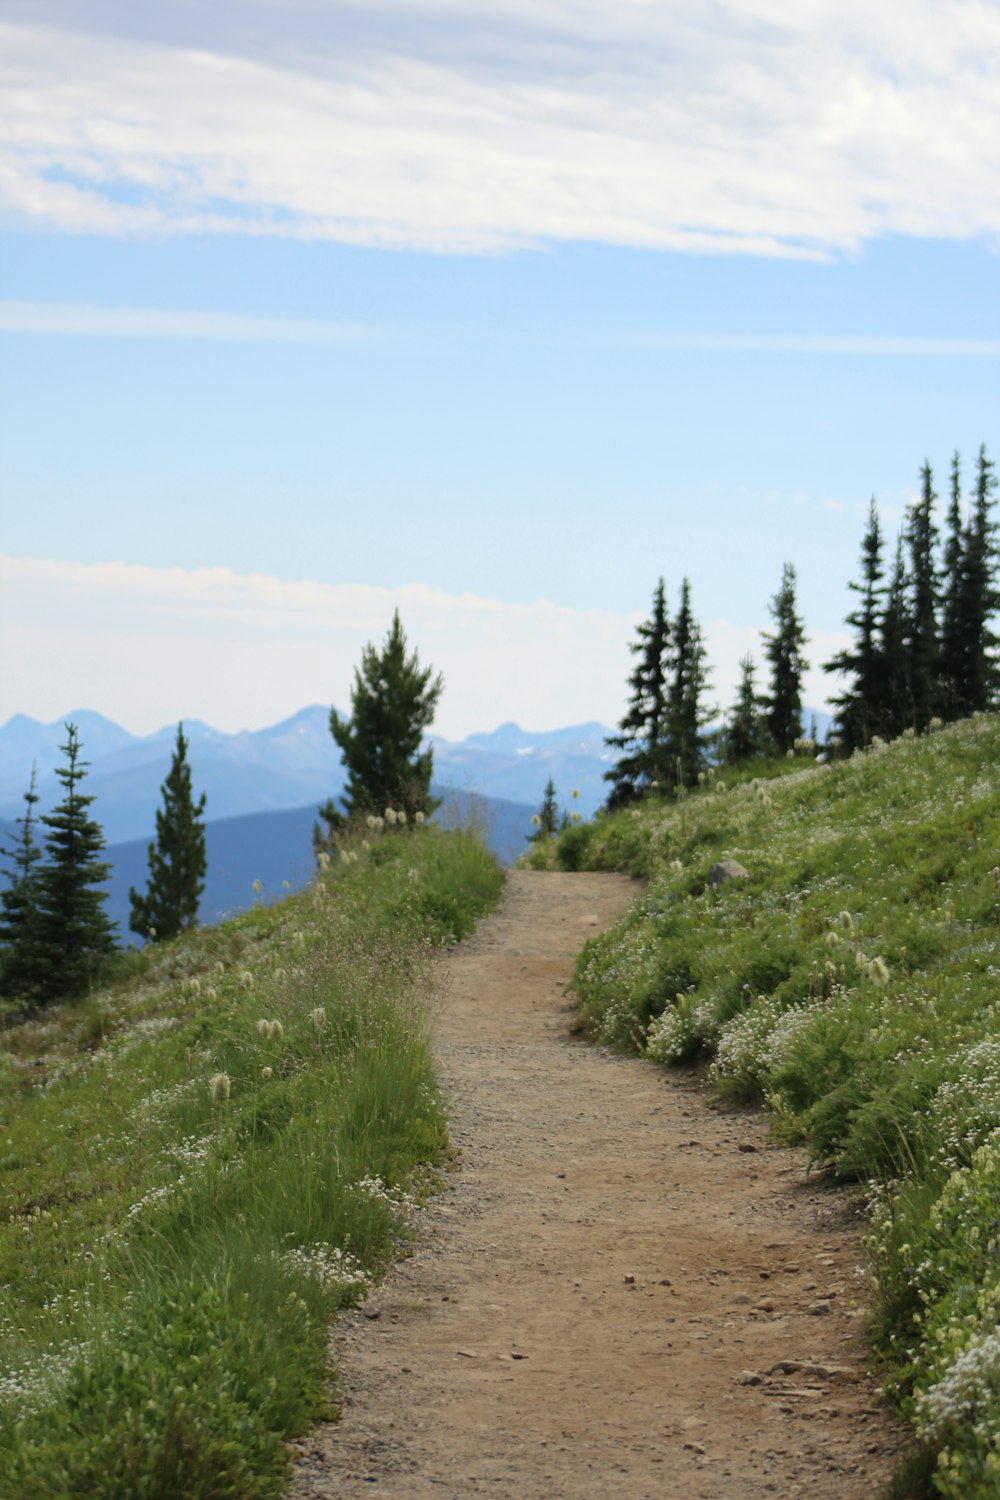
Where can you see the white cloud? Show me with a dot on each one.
(749, 126)
(147, 646)
(87, 319)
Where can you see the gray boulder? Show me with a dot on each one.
(726, 869)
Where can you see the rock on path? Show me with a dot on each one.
(625, 1290)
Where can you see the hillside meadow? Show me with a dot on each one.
(202, 1162)
(851, 985)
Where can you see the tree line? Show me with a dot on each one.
(922, 650)
(56, 938)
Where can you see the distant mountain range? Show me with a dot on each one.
(263, 787)
(285, 766)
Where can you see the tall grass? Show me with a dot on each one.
(851, 984)
(201, 1165)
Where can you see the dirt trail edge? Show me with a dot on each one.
(627, 1289)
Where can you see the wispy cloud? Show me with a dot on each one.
(150, 645)
(83, 319)
(856, 344)
(143, 322)
(748, 126)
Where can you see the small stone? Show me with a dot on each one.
(726, 869)
(629, 1279)
(747, 1146)
(467, 1353)
(819, 1308)
(750, 1377)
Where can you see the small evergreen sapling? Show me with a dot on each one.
(546, 821)
(177, 858)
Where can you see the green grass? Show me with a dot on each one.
(852, 986)
(202, 1163)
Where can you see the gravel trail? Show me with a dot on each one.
(626, 1289)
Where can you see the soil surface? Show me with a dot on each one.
(626, 1290)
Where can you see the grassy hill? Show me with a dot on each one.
(850, 982)
(201, 1163)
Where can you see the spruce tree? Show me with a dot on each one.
(19, 921)
(951, 669)
(686, 744)
(641, 741)
(744, 736)
(978, 598)
(859, 707)
(546, 820)
(75, 936)
(894, 710)
(783, 649)
(177, 859)
(392, 705)
(924, 645)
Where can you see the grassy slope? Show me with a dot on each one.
(201, 1165)
(851, 985)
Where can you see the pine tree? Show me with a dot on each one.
(75, 936)
(951, 670)
(686, 744)
(783, 649)
(640, 742)
(924, 645)
(894, 710)
(392, 704)
(19, 919)
(978, 598)
(859, 706)
(177, 860)
(744, 736)
(546, 820)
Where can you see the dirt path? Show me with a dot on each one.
(594, 1307)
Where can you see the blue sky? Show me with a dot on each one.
(496, 312)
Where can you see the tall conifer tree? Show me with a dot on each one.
(641, 741)
(924, 645)
(951, 669)
(177, 859)
(686, 716)
(894, 709)
(75, 936)
(783, 649)
(859, 706)
(19, 918)
(744, 736)
(978, 597)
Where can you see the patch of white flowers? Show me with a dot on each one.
(331, 1267)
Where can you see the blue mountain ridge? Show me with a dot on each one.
(276, 848)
